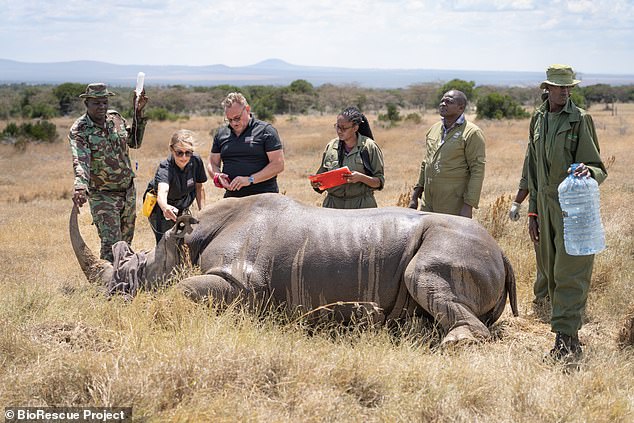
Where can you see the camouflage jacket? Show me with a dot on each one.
(100, 155)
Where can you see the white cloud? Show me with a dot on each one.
(492, 5)
(581, 6)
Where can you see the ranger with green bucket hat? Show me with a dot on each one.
(100, 142)
(560, 134)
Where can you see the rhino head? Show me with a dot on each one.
(166, 255)
(152, 265)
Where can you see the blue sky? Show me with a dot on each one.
(594, 36)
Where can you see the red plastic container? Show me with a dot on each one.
(331, 178)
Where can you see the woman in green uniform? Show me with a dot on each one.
(355, 148)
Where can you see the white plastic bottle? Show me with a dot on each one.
(580, 204)
(140, 78)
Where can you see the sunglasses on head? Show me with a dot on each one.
(181, 153)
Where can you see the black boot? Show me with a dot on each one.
(566, 347)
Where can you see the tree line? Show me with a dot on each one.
(299, 97)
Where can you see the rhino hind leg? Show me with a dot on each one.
(439, 297)
(205, 287)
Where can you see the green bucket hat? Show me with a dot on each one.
(559, 75)
(95, 90)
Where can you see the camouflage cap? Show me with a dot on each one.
(560, 75)
(96, 89)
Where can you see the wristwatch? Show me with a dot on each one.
(251, 180)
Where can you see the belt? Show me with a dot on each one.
(346, 197)
(117, 190)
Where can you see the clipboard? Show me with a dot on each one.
(331, 178)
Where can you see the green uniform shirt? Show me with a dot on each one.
(552, 152)
(100, 155)
(357, 195)
(452, 173)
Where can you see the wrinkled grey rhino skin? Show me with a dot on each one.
(397, 259)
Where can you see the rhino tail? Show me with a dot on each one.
(509, 284)
(95, 269)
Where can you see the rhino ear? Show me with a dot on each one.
(183, 225)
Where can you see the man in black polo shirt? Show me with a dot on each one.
(249, 149)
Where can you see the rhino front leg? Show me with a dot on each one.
(432, 286)
(205, 287)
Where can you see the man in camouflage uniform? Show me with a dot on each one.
(100, 141)
(452, 173)
(560, 134)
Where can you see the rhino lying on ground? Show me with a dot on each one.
(399, 260)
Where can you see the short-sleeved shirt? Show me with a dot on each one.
(182, 182)
(357, 195)
(246, 154)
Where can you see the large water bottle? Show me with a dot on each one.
(579, 200)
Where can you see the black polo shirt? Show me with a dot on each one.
(182, 191)
(246, 154)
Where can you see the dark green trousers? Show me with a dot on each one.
(540, 287)
(568, 277)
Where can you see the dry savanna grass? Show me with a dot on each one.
(62, 343)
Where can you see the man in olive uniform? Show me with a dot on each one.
(100, 142)
(560, 134)
(452, 173)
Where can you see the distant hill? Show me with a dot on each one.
(268, 72)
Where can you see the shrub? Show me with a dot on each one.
(43, 111)
(67, 95)
(413, 118)
(42, 130)
(392, 116)
(263, 111)
(578, 98)
(11, 130)
(161, 114)
(497, 106)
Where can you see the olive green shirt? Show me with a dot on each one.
(570, 138)
(357, 195)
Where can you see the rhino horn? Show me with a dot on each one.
(95, 269)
